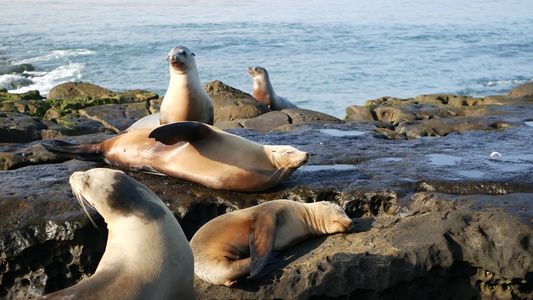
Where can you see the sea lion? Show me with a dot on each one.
(196, 152)
(240, 243)
(147, 255)
(185, 99)
(264, 92)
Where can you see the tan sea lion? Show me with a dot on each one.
(240, 243)
(185, 99)
(147, 255)
(264, 92)
(196, 152)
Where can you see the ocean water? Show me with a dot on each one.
(322, 55)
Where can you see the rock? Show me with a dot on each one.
(436, 238)
(434, 217)
(231, 104)
(266, 122)
(73, 90)
(500, 100)
(54, 113)
(116, 117)
(358, 114)
(29, 107)
(387, 101)
(385, 262)
(144, 96)
(522, 91)
(441, 127)
(30, 95)
(393, 115)
(447, 99)
(280, 120)
(228, 125)
(299, 116)
(11, 68)
(19, 128)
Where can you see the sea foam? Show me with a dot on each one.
(41, 80)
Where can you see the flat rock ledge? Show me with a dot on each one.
(436, 215)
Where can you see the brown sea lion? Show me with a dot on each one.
(185, 99)
(196, 152)
(147, 255)
(240, 243)
(264, 92)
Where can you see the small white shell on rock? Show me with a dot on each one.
(495, 155)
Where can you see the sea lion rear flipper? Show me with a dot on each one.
(180, 131)
(274, 262)
(91, 152)
(262, 238)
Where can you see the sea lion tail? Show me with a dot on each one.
(91, 152)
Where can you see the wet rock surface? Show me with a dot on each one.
(436, 216)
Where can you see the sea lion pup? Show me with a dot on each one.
(240, 243)
(196, 152)
(185, 99)
(264, 92)
(147, 255)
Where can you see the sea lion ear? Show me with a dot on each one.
(193, 54)
(262, 238)
(180, 132)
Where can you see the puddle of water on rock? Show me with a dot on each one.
(391, 159)
(314, 168)
(529, 123)
(48, 179)
(443, 159)
(341, 133)
(472, 174)
(513, 163)
(521, 158)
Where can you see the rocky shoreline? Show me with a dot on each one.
(436, 217)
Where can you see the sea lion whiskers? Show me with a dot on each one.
(82, 201)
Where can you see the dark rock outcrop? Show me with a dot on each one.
(439, 115)
(435, 218)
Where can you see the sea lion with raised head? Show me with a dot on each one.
(185, 99)
(147, 255)
(240, 243)
(196, 152)
(264, 92)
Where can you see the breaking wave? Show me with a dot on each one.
(42, 72)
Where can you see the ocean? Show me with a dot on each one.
(321, 55)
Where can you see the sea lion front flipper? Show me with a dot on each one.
(262, 238)
(180, 131)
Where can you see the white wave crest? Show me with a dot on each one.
(45, 81)
(13, 82)
(55, 55)
(508, 82)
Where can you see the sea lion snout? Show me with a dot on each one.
(348, 225)
(254, 71)
(306, 158)
(302, 161)
(177, 56)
